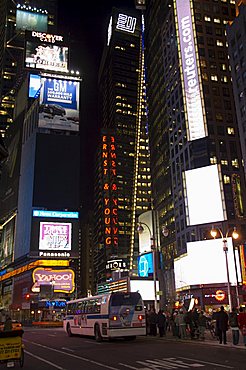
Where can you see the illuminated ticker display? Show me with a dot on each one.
(196, 123)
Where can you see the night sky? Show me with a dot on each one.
(86, 25)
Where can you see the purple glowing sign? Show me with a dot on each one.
(196, 120)
(59, 280)
(55, 236)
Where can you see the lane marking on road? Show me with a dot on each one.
(68, 349)
(207, 363)
(75, 356)
(169, 363)
(43, 359)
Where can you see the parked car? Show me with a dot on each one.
(16, 325)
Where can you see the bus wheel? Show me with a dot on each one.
(98, 335)
(69, 333)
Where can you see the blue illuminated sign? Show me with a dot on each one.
(55, 304)
(145, 265)
(55, 214)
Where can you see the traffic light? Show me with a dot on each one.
(27, 296)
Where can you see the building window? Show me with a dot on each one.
(213, 160)
(214, 77)
(234, 163)
(230, 131)
(227, 179)
(207, 18)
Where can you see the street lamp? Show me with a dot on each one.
(235, 236)
(140, 229)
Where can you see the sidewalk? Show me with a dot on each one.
(209, 340)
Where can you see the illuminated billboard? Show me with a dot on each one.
(205, 263)
(196, 121)
(26, 20)
(59, 280)
(46, 52)
(204, 196)
(59, 104)
(55, 236)
(56, 214)
(34, 85)
(145, 235)
(145, 265)
(145, 288)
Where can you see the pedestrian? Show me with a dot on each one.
(202, 324)
(147, 321)
(8, 324)
(161, 323)
(222, 325)
(242, 323)
(190, 323)
(233, 322)
(153, 322)
(181, 324)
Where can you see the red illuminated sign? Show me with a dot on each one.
(110, 199)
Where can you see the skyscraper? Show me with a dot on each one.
(123, 182)
(192, 126)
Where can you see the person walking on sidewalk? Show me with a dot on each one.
(153, 322)
(222, 325)
(161, 323)
(233, 322)
(242, 323)
(202, 324)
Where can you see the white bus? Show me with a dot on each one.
(105, 316)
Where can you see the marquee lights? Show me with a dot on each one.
(110, 191)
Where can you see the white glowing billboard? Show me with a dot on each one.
(196, 124)
(146, 235)
(204, 195)
(145, 288)
(205, 263)
(126, 23)
(55, 236)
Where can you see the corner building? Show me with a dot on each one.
(122, 181)
(192, 125)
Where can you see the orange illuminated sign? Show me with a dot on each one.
(220, 295)
(110, 187)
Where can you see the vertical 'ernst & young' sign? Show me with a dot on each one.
(196, 119)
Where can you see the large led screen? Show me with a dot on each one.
(31, 21)
(205, 263)
(145, 241)
(59, 104)
(145, 265)
(34, 85)
(204, 195)
(55, 236)
(51, 57)
(189, 70)
(145, 288)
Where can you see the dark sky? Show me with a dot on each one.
(86, 23)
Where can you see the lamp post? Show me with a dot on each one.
(235, 235)
(140, 229)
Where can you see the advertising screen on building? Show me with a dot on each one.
(59, 280)
(204, 195)
(145, 288)
(145, 265)
(55, 236)
(59, 104)
(46, 52)
(126, 23)
(27, 20)
(196, 124)
(34, 85)
(205, 263)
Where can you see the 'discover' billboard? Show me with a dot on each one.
(196, 125)
(59, 104)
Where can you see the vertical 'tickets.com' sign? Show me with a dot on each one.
(110, 199)
(189, 70)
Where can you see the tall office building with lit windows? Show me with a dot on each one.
(123, 181)
(196, 160)
(15, 18)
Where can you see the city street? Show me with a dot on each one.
(48, 349)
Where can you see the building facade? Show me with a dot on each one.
(193, 127)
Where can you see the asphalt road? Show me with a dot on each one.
(49, 349)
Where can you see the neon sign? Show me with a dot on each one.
(189, 70)
(126, 23)
(110, 199)
(61, 280)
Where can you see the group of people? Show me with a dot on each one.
(193, 324)
(234, 320)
